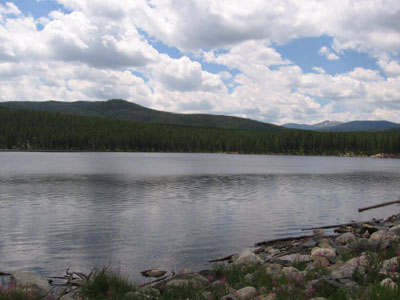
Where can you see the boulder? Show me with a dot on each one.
(247, 257)
(273, 269)
(395, 230)
(345, 238)
(325, 252)
(383, 235)
(32, 282)
(347, 270)
(391, 264)
(389, 283)
(296, 258)
(247, 292)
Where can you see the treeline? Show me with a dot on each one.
(36, 130)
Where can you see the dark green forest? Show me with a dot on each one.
(124, 110)
(38, 130)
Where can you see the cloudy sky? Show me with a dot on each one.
(276, 61)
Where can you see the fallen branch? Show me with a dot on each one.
(331, 226)
(379, 205)
(265, 243)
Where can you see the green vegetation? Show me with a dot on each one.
(226, 279)
(36, 130)
(123, 110)
(12, 292)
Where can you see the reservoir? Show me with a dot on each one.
(136, 211)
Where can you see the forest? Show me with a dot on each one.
(52, 131)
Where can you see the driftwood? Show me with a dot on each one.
(379, 205)
(331, 226)
(229, 257)
(265, 243)
(4, 274)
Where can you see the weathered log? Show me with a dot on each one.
(379, 205)
(331, 226)
(265, 243)
(229, 257)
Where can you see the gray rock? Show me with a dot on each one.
(391, 264)
(249, 277)
(389, 283)
(318, 232)
(395, 230)
(325, 252)
(273, 269)
(229, 297)
(310, 244)
(247, 257)
(384, 235)
(32, 282)
(345, 238)
(296, 258)
(247, 292)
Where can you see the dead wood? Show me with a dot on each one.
(379, 205)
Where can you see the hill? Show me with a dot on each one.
(22, 129)
(124, 110)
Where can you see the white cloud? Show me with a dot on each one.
(100, 51)
(9, 8)
(324, 51)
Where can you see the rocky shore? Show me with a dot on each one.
(361, 258)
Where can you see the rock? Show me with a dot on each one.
(270, 296)
(320, 262)
(186, 271)
(310, 244)
(325, 245)
(384, 235)
(32, 282)
(249, 277)
(153, 273)
(318, 232)
(290, 271)
(325, 252)
(389, 283)
(247, 292)
(247, 258)
(150, 291)
(273, 269)
(395, 230)
(369, 228)
(296, 258)
(69, 296)
(347, 270)
(318, 298)
(229, 297)
(345, 238)
(391, 264)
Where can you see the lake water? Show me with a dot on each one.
(137, 211)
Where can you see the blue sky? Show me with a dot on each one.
(299, 61)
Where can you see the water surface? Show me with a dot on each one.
(141, 210)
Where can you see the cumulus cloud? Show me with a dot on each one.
(324, 51)
(97, 51)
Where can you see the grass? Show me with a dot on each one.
(225, 279)
(12, 292)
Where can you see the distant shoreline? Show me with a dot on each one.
(378, 155)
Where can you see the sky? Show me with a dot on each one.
(302, 61)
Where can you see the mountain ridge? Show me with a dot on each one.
(358, 125)
(124, 110)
